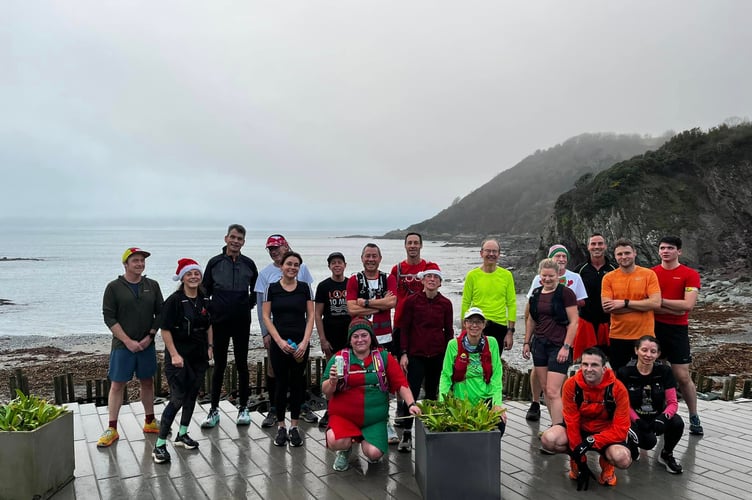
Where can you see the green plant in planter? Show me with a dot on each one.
(458, 415)
(26, 413)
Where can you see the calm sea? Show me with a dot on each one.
(61, 294)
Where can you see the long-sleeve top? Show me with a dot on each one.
(591, 416)
(493, 292)
(137, 312)
(474, 387)
(230, 282)
(427, 325)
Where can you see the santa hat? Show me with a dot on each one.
(185, 265)
(556, 249)
(431, 268)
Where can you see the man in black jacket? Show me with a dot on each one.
(229, 280)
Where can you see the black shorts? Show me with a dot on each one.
(674, 341)
(545, 353)
(620, 352)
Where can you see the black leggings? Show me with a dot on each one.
(240, 333)
(673, 434)
(184, 384)
(496, 331)
(420, 369)
(289, 377)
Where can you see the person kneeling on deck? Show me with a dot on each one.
(359, 395)
(596, 418)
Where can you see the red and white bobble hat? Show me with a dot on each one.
(185, 265)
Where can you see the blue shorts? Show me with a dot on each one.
(545, 353)
(124, 363)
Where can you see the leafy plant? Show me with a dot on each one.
(458, 415)
(26, 413)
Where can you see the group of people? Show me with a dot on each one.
(635, 320)
(603, 313)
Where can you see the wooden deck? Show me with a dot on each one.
(242, 462)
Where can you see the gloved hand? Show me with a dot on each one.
(660, 424)
(584, 474)
(579, 454)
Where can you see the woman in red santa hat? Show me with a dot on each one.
(188, 338)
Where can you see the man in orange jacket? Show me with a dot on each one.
(596, 418)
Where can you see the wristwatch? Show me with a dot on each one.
(511, 329)
(367, 303)
(566, 346)
(626, 302)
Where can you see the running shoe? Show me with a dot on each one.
(668, 460)
(573, 472)
(406, 444)
(308, 416)
(152, 427)
(110, 436)
(533, 413)
(295, 439)
(244, 417)
(281, 438)
(342, 460)
(608, 473)
(212, 419)
(270, 420)
(160, 454)
(695, 427)
(324, 422)
(186, 442)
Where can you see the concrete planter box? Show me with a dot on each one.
(451, 465)
(36, 464)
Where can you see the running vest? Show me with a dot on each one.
(462, 360)
(378, 360)
(557, 302)
(608, 398)
(364, 291)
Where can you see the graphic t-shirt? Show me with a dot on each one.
(333, 294)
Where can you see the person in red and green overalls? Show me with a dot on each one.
(359, 398)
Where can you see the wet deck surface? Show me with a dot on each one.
(242, 462)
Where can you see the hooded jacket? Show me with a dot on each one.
(591, 417)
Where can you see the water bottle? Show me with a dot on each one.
(294, 345)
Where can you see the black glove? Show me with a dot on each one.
(579, 454)
(660, 424)
(583, 475)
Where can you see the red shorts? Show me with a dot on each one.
(588, 337)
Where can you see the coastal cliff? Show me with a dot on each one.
(697, 186)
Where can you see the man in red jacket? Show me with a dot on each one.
(596, 418)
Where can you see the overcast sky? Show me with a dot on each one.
(336, 114)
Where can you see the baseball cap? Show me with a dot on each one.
(474, 311)
(132, 250)
(276, 240)
(335, 255)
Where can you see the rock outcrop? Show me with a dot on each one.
(697, 186)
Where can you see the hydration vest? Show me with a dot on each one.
(608, 398)
(557, 303)
(378, 361)
(364, 291)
